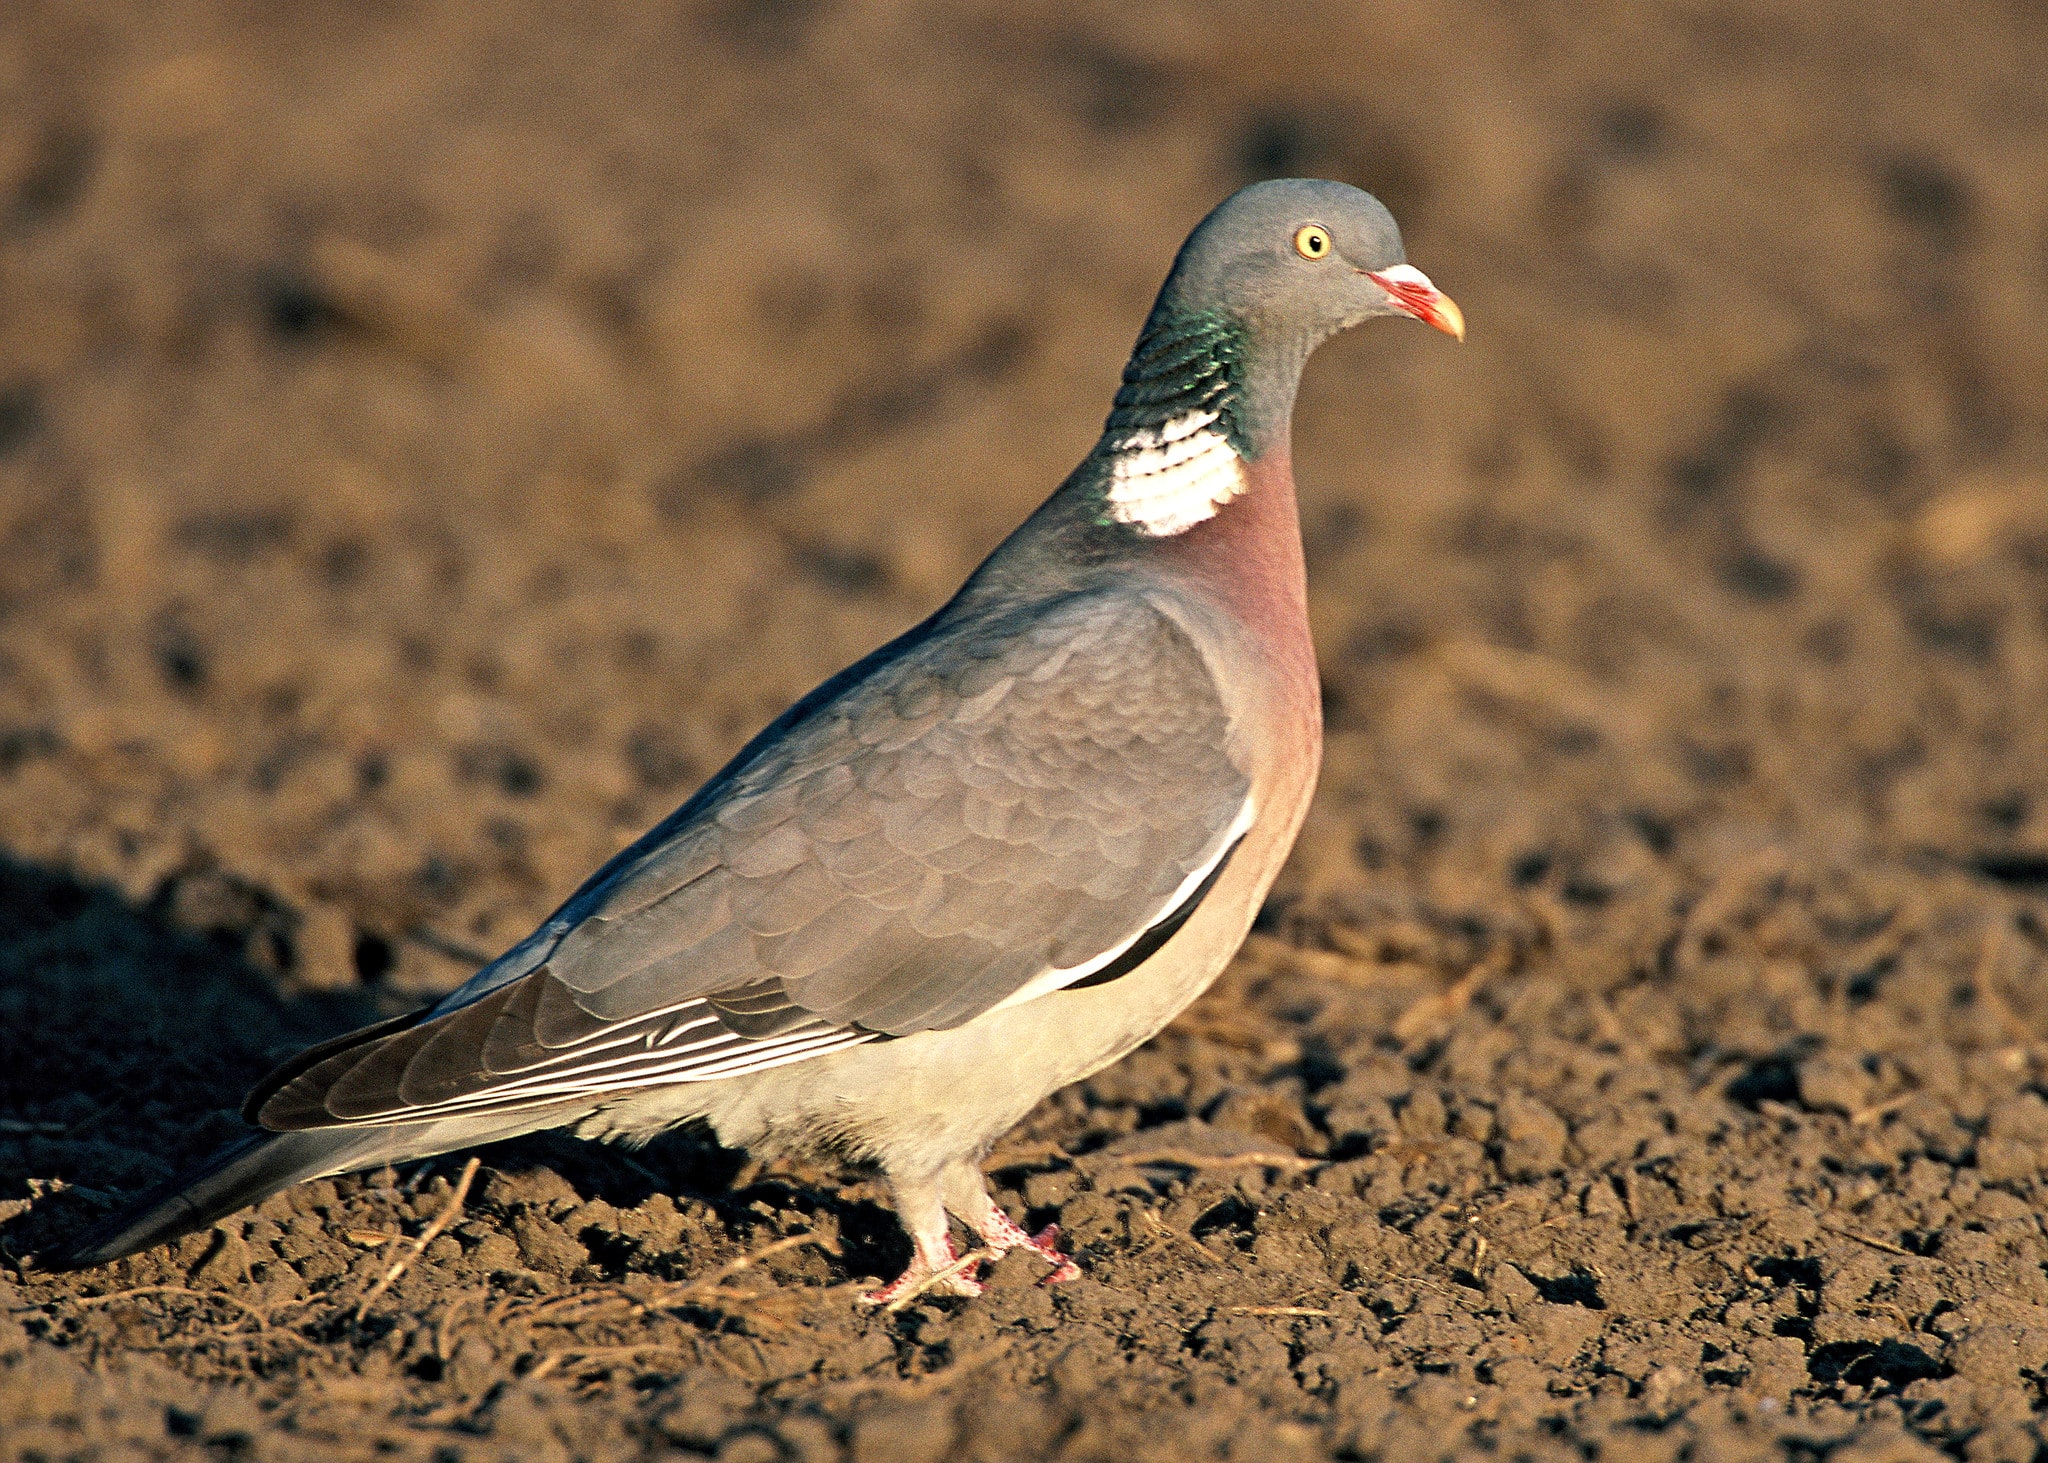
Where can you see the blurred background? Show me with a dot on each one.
(433, 436)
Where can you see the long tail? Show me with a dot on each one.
(243, 1173)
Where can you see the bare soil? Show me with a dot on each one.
(433, 436)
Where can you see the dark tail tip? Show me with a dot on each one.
(243, 1173)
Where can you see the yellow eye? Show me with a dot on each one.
(1312, 241)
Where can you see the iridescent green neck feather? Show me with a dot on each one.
(1172, 453)
(1184, 364)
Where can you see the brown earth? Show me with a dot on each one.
(433, 436)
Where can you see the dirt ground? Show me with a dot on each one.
(433, 436)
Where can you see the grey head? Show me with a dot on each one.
(1273, 272)
(1296, 260)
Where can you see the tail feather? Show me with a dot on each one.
(243, 1173)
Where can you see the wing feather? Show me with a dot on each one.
(983, 813)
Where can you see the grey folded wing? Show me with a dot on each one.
(1004, 808)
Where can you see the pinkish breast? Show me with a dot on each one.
(1248, 560)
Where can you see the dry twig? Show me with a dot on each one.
(1278, 1311)
(1449, 1002)
(616, 1302)
(427, 1236)
(1863, 1239)
(1167, 1231)
(938, 1277)
(731, 1268)
(683, 1292)
(444, 1332)
(555, 1359)
(1864, 1116)
(262, 1320)
(1187, 1158)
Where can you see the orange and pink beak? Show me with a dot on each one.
(1413, 294)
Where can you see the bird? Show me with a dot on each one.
(985, 861)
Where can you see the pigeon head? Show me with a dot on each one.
(1298, 259)
(1277, 269)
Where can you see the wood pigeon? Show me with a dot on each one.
(983, 862)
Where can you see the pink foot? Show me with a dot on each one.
(918, 1277)
(1046, 1245)
(1003, 1234)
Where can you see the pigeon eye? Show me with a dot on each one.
(1312, 241)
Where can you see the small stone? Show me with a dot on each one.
(1777, 1365)
(1511, 1290)
(1990, 1355)
(1018, 1270)
(1667, 1389)
(1884, 1442)
(1422, 1115)
(1051, 1189)
(546, 1247)
(1834, 1082)
(2024, 1118)
(46, 1384)
(1267, 1115)
(751, 1446)
(495, 1251)
(2002, 1160)
(521, 1420)
(538, 1187)
(1532, 1138)
(591, 1214)
(1565, 1329)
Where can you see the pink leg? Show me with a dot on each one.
(918, 1206)
(967, 1195)
(1003, 1234)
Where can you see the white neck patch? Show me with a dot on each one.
(1166, 479)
